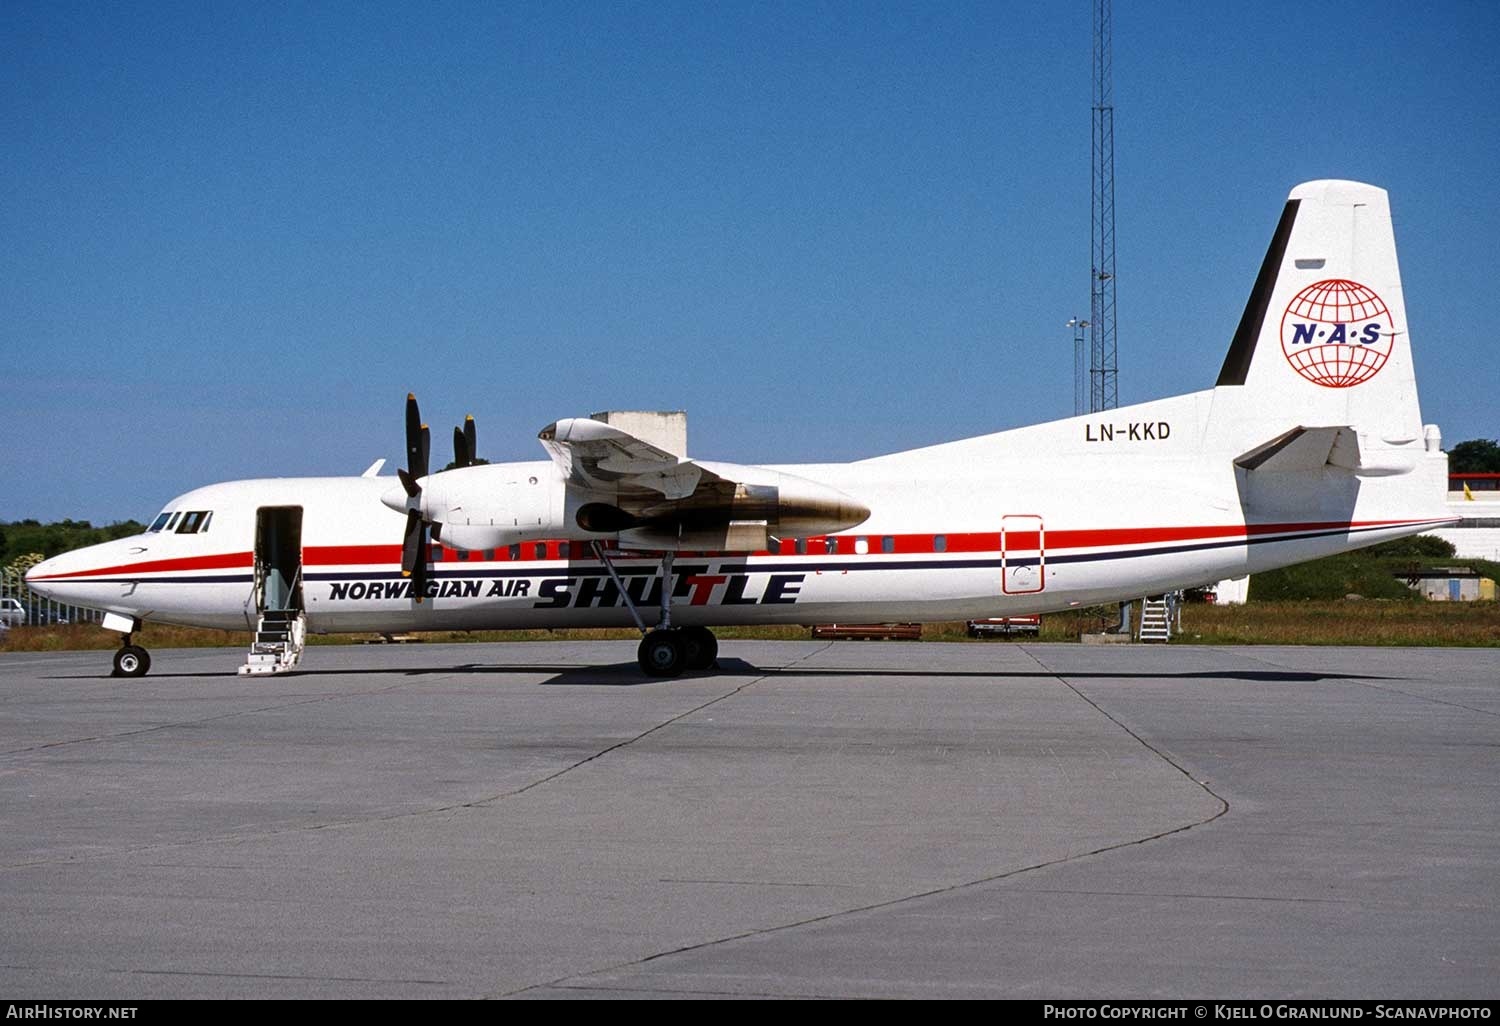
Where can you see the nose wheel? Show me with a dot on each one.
(132, 661)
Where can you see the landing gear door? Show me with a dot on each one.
(1023, 555)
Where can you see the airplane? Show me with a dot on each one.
(1309, 443)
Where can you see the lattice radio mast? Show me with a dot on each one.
(1104, 390)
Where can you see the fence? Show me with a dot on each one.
(22, 607)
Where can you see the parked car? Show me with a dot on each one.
(12, 613)
(1005, 626)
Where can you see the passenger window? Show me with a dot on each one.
(861, 545)
(159, 523)
(515, 552)
(800, 546)
(940, 543)
(541, 550)
(831, 545)
(463, 555)
(563, 550)
(887, 544)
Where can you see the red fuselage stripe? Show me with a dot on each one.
(980, 541)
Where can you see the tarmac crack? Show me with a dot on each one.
(562, 982)
(484, 802)
(198, 722)
(406, 814)
(1163, 756)
(1394, 691)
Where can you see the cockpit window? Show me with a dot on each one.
(159, 523)
(173, 522)
(193, 522)
(206, 518)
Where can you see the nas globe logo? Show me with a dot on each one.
(1337, 333)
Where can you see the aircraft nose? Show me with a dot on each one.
(37, 576)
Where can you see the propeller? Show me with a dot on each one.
(420, 531)
(414, 542)
(464, 444)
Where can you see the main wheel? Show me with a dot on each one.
(132, 661)
(699, 648)
(661, 654)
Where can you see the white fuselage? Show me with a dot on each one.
(1087, 510)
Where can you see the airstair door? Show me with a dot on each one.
(278, 558)
(1023, 555)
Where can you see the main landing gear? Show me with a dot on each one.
(666, 653)
(131, 660)
(667, 650)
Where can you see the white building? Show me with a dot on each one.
(1477, 535)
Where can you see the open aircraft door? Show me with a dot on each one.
(1023, 555)
(278, 559)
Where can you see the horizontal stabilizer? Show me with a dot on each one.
(1304, 448)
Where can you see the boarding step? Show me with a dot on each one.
(278, 644)
(1156, 620)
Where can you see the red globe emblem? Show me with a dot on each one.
(1337, 333)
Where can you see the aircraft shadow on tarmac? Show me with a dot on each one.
(628, 674)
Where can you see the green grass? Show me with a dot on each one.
(1339, 622)
(1403, 622)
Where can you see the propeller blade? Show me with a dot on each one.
(471, 445)
(414, 554)
(460, 453)
(419, 576)
(412, 543)
(414, 437)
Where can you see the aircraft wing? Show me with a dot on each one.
(657, 499)
(596, 456)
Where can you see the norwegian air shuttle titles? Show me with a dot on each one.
(1310, 443)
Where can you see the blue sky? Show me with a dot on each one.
(236, 235)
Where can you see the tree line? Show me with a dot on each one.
(27, 537)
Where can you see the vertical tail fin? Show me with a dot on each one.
(1323, 339)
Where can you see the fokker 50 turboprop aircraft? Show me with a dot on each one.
(1310, 443)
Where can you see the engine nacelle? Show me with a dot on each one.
(494, 505)
(737, 510)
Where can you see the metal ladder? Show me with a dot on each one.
(279, 639)
(1156, 620)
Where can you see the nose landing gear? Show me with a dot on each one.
(131, 660)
